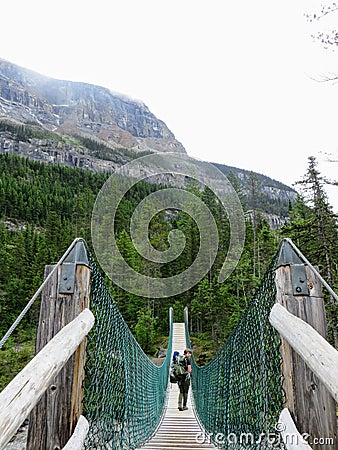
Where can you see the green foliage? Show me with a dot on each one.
(48, 206)
(145, 329)
(13, 359)
(44, 207)
(102, 151)
(26, 132)
(243, 181)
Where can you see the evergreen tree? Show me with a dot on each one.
(145, 329)
(254, 188)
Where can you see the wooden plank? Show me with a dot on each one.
(317, 353)
(21, 395)
(54, 418)
(78, 437)
(310, 403)
(291, 436)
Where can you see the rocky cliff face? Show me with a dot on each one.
(51, 151)
(81, 109)
(87, 126)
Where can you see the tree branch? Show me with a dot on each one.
(326, 9)
(327, 39)
(325, 78)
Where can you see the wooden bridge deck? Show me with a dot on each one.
(178, 429)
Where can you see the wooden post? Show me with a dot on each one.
(54, 419)
(309, 402)
(21, 395)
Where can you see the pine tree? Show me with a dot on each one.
(145, 329)
(254, 188)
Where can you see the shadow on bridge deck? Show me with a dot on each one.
(178, 429)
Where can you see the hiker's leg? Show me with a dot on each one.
(185, 399)
(186, 390)
(181, 394)
(180, 399)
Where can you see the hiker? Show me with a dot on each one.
(184, 381)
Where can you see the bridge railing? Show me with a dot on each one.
(125, 392)
(22, 394)
(309, 362)
(52, 381)
(257, 390)
(238, 395)
(317, 353)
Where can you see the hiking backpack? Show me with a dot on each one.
(178, 369)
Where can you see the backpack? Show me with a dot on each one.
(178, 369)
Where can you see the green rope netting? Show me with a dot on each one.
(125, 392)
(238, 395)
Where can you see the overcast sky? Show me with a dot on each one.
(234, 81)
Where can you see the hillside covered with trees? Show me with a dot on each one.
(44, 207)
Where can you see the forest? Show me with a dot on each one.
(44, 207)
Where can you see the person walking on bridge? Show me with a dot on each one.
(184, 381)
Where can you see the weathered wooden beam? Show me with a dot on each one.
(21, 395)
(317, 353)
(78, 437)
(292, 439)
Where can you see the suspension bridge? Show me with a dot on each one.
(178, 429)
(90, 385)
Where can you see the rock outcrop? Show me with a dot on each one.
(82, 125)
(76, 108)
(51, 151)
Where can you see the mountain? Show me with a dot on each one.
(88, 126)
(76, 108)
